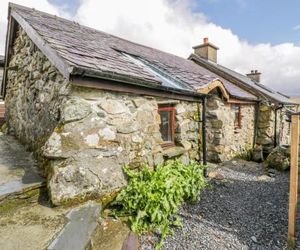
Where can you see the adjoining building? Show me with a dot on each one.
(87, 103)
(270, 123)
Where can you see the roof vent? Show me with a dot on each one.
(206, 51)
(254, 75)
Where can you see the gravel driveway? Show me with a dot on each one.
(245, 210)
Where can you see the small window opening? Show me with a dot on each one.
(237, 116)
(167, 125)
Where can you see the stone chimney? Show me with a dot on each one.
(206, 50)
(254, 75)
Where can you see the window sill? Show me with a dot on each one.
(237, 130)
(171, 152)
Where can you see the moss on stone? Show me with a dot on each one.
(59, 129)
(10, 204)
(3, 128)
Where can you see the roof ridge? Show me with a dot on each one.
(260, 85)
(94, 29)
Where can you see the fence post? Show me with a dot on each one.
(293, 199)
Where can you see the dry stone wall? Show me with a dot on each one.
(101, 131)
(224, 141)
(35, 93)
(85, 136)
(284, 128)
(266, 127)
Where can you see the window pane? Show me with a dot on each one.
(237, 115)
(166, 125)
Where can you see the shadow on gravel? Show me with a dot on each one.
(252, 211)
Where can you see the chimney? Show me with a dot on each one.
(254, 75)
(206, 51)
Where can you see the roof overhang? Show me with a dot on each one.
(238, 82)
(140, 89)
(15, 19)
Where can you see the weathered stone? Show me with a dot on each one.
(132, 242)
(278, 159)
(184, 159)
(186, 144)
(216, 175)
(107, 133)
(173, 151)
(113, 106)
(257, 154)
(33, 106)
(85, 176)
(75, 109)
(52, 148)
(92, 140)
(180, 109)
(111, 234)
(263, 178)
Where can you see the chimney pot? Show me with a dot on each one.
(254, 75)
(206, 50)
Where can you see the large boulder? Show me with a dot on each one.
(279, 158)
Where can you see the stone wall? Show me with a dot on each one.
(102, 131)
(35, 93)
(266, 127)
(85, 136)
(283, 128)
(224, 141)
(266, 123)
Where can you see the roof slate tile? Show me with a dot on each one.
(85, 48)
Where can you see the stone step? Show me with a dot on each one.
(112, 234)
(19, 177)
(15, 189)
(77, 232)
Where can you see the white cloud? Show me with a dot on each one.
(297, 27)
(171, 26)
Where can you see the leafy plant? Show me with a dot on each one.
(245, 154)
(152, 197)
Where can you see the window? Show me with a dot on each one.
(167, 125)
(237, 116)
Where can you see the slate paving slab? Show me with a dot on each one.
(17, 168)
(78, 230)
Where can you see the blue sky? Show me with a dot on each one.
(257, 21)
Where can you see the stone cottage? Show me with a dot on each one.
(87, 103)
(271, 124)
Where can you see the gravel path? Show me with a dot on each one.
(245, 210)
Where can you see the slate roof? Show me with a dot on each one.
(265, 91)
(90, 52)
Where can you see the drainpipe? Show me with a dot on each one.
(275, 129)
(204, 134)
(257, 112)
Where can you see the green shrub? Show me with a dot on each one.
(152, 197)
(245, 154)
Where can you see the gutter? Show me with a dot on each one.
(86, 79)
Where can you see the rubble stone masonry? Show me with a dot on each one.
(86, 135)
